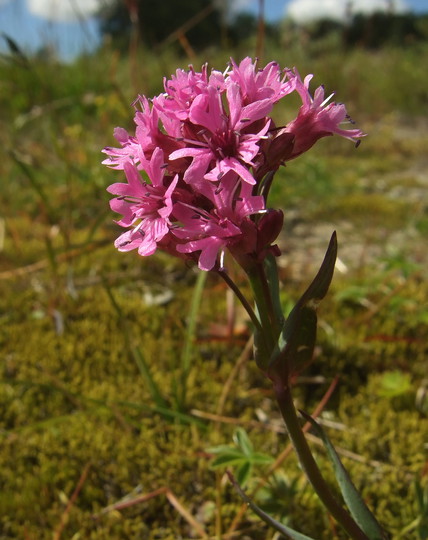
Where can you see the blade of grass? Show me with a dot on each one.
(35, 184)
(82, 402)
(283, 529)
(189, 338)
(148, 378)
(98, 221)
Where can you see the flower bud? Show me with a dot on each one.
(278, 149)
(269, 227)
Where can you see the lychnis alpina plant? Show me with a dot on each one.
(198, 169)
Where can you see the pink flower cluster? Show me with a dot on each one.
(197, 161)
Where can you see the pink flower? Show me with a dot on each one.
(208, 148)
(182, 89)
(219, 145)
(145, 207)
(316, 119)
(117, 157)
(256, 85)
(148, 136)
(223, 227)
(211, 234)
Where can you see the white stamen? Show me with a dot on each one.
(222, 260)
(327, 100)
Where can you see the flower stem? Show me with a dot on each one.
(264, 304)
(246, 305)
(307, 461)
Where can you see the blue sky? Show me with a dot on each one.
(28, 22)
(31, 31)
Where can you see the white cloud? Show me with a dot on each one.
(233, 7)
(239, 5)
(303, 11)
(64, 10)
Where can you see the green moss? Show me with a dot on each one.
(371, 210)
(76, 398)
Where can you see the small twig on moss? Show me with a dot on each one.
(44, 263)
(121, 505)
(71, 501)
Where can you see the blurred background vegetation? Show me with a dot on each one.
(116, 378)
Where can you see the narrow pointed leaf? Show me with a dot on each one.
(172, 414)
(316, 290)
(321, 283)
(352, 497)
(15, 49)
(29, 172)
(223, 448)
(297, 341)
(283, 529)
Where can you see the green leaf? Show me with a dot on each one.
(321, 283)
(242, 456)
(352, 497)
(297, 341)
(394, 383)
(261, 459)
(243, 473)
(242, 441)
(227, 459)
(283, 529)
(221, 448)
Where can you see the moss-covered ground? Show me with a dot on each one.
(82, 431)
